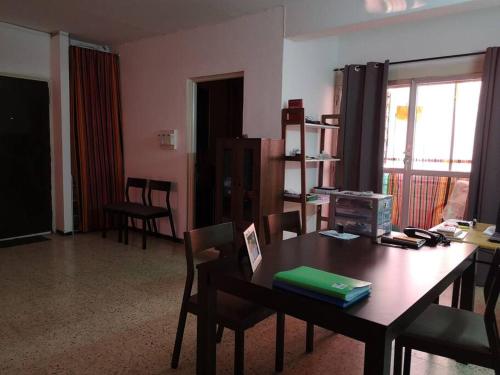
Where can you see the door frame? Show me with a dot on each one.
(51, 145)
(191, 107)
(407, 171)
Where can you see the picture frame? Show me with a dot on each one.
(253, 248)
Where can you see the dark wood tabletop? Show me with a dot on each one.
(405, 282)
(400, 277)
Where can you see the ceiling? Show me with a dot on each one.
(117, 21)
(112, 22)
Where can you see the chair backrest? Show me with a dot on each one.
(495, 263)
(139, 183)
(275, 224)
(490, 320)
(160, 186)
(214, 236)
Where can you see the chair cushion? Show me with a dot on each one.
(453, 330)
(233, 311)
(141, 211)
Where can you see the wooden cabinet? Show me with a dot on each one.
(249, 181)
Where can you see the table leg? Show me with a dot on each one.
(468, 286)
(456, 293)
(378, 356)
(206, 325)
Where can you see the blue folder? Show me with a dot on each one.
(321, 297)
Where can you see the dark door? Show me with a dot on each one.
(219, 115)
(25, 185)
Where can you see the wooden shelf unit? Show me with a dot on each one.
(296, 117)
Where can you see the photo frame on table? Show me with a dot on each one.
(253, 248)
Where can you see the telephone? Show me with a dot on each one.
(431, 238)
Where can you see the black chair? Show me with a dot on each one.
(274, 225)
(116, 209)
(147, 213)
(232, 312)
(461, 335)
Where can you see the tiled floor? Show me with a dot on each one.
(88, 305)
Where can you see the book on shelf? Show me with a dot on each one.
(325, 189)
(324, 283)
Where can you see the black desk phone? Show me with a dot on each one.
(431, 238)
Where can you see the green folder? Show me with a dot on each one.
(323, 282)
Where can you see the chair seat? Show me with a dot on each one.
(234, 312)
(454, 333)
(120, 207)
(141, 211)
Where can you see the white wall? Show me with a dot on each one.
(24, 52)
(307, 75)
(448, 35)
(61, 132)
(154, 77)
(32, 54)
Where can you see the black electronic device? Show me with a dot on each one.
(431, 238)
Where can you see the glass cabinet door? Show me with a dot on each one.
(227, 183)
(248, 186)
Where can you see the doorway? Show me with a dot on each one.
(25, 186)
(219, 114)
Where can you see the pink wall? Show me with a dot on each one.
(154, 76)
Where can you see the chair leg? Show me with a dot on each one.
(239, 352)
(155, 227)
(144, 234)
(309, 337)
(104, 227)
(407, 361)
(456, 293)
(178, 338)
(125, 229)
(398, 357)
(172, 227)
(280, 342)
(220, 332)
(120, 227)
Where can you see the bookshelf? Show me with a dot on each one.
(295, 117)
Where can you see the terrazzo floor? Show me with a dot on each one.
(87, 305)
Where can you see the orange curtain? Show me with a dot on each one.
(97, 152)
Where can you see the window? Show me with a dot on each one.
(429, 139)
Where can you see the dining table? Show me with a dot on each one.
(404, 283)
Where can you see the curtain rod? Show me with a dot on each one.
(427, 59)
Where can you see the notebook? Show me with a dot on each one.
(322, 282)
(321, 297)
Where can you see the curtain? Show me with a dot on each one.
(96, 133)
(484, 186)
(362, 119)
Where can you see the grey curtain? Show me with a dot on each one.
(484, 188)
(362, 119)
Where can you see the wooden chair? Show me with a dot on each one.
(116, 209)
(232, 312)
(274, 225)
(461, 335)
(149, 213)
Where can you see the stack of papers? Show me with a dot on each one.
(450, 229)
(329, 287)
(341, 236)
